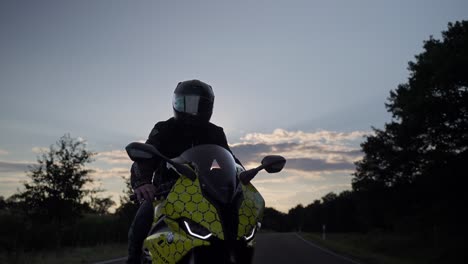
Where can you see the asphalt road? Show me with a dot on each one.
(283, 248)
(291, 248)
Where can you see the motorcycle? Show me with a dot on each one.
(211, 214)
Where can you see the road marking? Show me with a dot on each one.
(110, 261)
(326, 250)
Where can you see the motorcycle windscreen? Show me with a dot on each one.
(217, 170)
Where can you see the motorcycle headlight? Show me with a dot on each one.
(249, 237)
(196, 230)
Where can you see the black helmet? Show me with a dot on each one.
(193, 102)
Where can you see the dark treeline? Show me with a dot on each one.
(411, 179)
(22, 231)
(58, 206)
(344, 212)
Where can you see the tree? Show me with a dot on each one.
(3, 204)
(297, 217)
(430, 115)
(275, 220)
(101, 205)
(416, 161)
(59, 181)
(127, 208)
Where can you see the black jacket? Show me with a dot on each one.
(172, 138)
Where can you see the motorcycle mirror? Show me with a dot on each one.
(184, 170)
(141, 152)
(144, 152)
(273, 163)
(246, 176)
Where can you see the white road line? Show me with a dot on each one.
(110, 261)
(326, 250)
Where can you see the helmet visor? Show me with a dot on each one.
(192, 104)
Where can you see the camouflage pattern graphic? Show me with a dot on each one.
(170, 247)
(186, 201)
(250, 211)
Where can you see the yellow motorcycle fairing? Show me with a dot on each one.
(171, 246)
(250, 211)
(184, 201)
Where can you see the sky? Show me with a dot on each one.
(304, 79)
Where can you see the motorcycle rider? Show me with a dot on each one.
(193, 106)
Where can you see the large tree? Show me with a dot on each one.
(419, 155)
(127, 208)
(59, 182)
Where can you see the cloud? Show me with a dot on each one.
(248, 152)
(14, 166)
(99, 173)
(39, 150)
(283, 199)
(317, 163)
(308, 151)
(290, 176)
(14, 179)
(322, 136)
(114, 157)
(306, 164)
(10, 183)
(3, 152)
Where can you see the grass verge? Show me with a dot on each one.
(375, 248)
(67, 255)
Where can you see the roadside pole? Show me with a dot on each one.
(324, 229)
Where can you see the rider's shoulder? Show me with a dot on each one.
(215, 127)
(161, 127)
(169, 123)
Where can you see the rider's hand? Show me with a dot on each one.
(145, 192)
